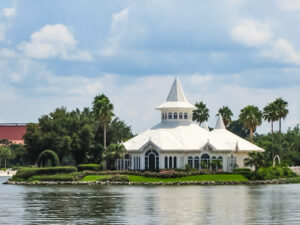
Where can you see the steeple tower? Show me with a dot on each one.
(220, 123)
(176, 108)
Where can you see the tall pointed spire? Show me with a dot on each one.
(220, 123)
(176, 93)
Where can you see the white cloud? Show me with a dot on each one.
(251, 33)
(283, 51)
(53, 41)
(288, 4)
(9, 12)
(2, 31)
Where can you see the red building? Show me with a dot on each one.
(13, 132)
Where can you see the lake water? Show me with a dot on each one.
(240, 204)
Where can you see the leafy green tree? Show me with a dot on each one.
(237, 128)
(226, 114)
(251, 117)
(255, 159)
(201, 114)
(103, 110)
(5, 153)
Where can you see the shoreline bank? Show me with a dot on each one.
(253, 182)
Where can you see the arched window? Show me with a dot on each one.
(214, 163)
(151, 160)
(175, 162)
(175, 116)
(170, 162)
(170, 116)
(180, 116)
(190, 161)
(220, 159)
(166, 162)
(185, 116)
(205, 160)
(196, 162)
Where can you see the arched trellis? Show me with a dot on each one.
(46, 157)
(274, 160)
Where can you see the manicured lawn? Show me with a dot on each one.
(94, 177)
(212, 177)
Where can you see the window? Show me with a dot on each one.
(180, 116)
(175, 162)
(196, 162)
(190, 161)
(170, 116)
(170, 162)
(205, 160)
(151, 160)
(185, 116)
(163, 116)
(175, 116)
(166, 162)
(220, 159)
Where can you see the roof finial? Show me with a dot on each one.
(176, 93)
(220, 123)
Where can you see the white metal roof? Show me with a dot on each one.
(186, 135)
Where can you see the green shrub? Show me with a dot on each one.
(245, 172)
(57, 177)
(26, 173)
(116, 178)
(274, 173)
(94, 167)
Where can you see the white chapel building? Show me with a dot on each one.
(177, 140)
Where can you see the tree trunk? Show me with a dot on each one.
(251, 134)
(272, 133)
(280, 150)
(272, 129)
(104, 135)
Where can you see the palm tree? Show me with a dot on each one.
(270, 114)
(103, 110)
(226, 114)
(282, 110)
(251, 117)
(255, 159)
(201, 114)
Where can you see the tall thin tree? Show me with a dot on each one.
(226, 114)
(201, 114)
(251, 117)
(270, 115)
(103, 110)
(282, 112)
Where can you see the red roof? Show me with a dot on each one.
(13, 132)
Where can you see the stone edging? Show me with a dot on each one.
(254, 182)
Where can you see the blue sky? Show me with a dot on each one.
(230, 52)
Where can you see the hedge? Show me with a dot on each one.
(46, 154)
(57, 177)
(94, 167)
(116, 178)
(29, 172)
(274, 173)
(245, 172)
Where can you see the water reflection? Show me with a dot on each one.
(272, 204)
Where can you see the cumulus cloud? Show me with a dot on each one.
(283, 51)
(9, 12)
(251, 32)
(288, 4)
(53, 41)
